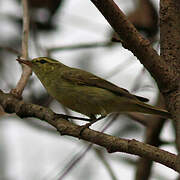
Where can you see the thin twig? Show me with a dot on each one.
(26, 71)
(107, 165)
(140, 118)
(79, 46)
(25, 29)
(2, 111)
(81, 155)
(153, 130)
(14, 51)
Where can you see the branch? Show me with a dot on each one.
(75, 159)
(26, 72)
(170, 45)
(169, 32)
(14, 51)
(153, 131)
(140, 118)
(139, 46)
(111, 143)
(166, 75)
(101, 156)
(79, 46)
(144, 166)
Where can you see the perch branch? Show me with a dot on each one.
(113, 144)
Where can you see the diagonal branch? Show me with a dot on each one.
(165, 73)
(111, 143)
(79, 46)
(138, 45)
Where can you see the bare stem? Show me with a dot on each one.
(26, 71)
(78, 46)
(9, 49)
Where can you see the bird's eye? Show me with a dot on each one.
(42, 61)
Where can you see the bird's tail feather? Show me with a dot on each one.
(145, 108)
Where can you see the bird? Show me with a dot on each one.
(86, 93)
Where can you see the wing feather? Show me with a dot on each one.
(81, 77)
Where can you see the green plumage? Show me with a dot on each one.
(86, 93)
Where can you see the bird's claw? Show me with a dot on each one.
(83, 127)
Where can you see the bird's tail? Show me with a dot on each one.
(146, 108)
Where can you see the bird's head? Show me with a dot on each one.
(41, 64)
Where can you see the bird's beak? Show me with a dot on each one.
(27, 62)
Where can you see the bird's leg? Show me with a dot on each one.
(87, 125)
(72, 117)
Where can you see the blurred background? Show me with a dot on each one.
(75, 33)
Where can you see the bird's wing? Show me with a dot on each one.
(81, 77)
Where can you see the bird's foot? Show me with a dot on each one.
(87, 125)
(71, 117)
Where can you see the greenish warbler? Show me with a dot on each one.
(86, 93)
